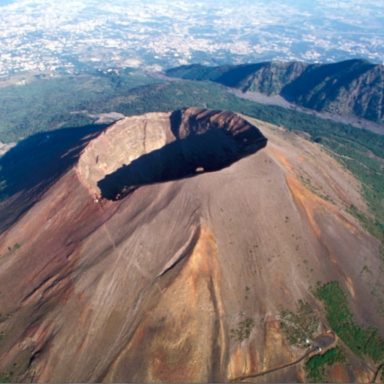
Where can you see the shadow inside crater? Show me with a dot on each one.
(210, 151)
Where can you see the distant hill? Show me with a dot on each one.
(353, 87)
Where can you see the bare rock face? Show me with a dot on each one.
(350, 88)
(182, 280)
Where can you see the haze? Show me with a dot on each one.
(40, 35)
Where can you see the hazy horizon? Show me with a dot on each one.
(45, 35)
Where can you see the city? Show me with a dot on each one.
(52, 37)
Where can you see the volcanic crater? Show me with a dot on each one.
(159, 147)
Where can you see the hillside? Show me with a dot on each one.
(353, 87)
(36, 104)
(202, 276)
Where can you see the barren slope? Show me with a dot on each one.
(150, 285)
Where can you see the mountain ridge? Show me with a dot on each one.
(351, 87)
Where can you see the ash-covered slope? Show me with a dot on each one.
(186, 279)
(353, 87)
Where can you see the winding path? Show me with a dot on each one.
(320, 345)
(262, 373)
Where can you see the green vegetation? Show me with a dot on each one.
(368, 167)
(300, 325)
(247, 291)
(6, 377)
(243, 330)
(375, 227)
(15, 247)
(3, 317)
(362, 341)
(317, 191)
(48, 104)
(11, 251)
(315, 367)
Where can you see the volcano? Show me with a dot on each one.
(165, 248)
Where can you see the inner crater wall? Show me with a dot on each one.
(119, 145)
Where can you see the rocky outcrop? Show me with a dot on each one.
(269, 78)
(350, 88)
(354, 87)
